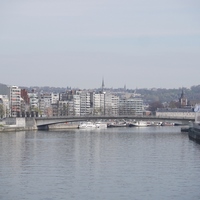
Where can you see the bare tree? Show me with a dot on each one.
(2, 111)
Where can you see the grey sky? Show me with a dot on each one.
(140, 43)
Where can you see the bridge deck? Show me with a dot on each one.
(41, 121)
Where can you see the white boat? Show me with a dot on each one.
(116, 125)
(155, 123)
(87, 125)
(139, 124)
(101, 125)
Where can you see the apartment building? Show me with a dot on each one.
(54, 97)
(131, 106)
(15, 101)
(76, 105)
(99, 103)
(34, 101)
(115, 104)
(85, 103)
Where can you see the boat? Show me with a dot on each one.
(101, 125)
(154, 123)
(194, 128)
(167, 124)
(115, 125)
(138, 124)
(87, 125)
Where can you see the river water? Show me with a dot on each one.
(106, 164)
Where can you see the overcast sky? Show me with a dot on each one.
(137, 43)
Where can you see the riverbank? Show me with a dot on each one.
(14, 129)
(29, 124)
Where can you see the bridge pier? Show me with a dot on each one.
(43, 128)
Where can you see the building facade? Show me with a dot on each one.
(15, 101)
(4, 106)
(131, 106)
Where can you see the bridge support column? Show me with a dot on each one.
(43, 128)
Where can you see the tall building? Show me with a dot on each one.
(25, 102)
(111, 104)
(115, 104)
(45, 102)
(84, 103)
(99, 103)
(15, 101)
(131, 106)
(63, 108)
(34, 101)
(76, 105)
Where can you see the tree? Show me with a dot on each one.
(154, 105)
(2, 111)
(174, 104)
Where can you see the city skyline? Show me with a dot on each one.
(139, 44)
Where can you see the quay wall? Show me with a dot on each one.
(70, 125)
(18, 124)
(29, 123)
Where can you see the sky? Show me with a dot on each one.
(76, 43)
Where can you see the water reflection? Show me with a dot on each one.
(122, 163)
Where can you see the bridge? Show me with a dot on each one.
(44, 122)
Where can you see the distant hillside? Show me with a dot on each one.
(167, 95)
(149, 95)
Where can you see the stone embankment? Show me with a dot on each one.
(17, 124)
(28, 124)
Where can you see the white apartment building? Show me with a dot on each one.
(76, 105)
(70, 108)
(108, 104)
(105, 104)
(115, 104)
(15, 101)
(131, 106)
(54, 97)
(85, 103)
(99, 103)
(34, 102)
(45, 101)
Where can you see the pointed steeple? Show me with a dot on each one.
(102, 86)
(182, 94)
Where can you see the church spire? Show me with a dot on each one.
(102, 86)
(182, 94)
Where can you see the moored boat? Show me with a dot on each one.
(113, 125)
(87, 125)
(101, 125)
(194, 129)
(138, 124)
(194, 132)
(167, 124)
(154, 123)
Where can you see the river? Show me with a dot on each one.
(147, 163)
